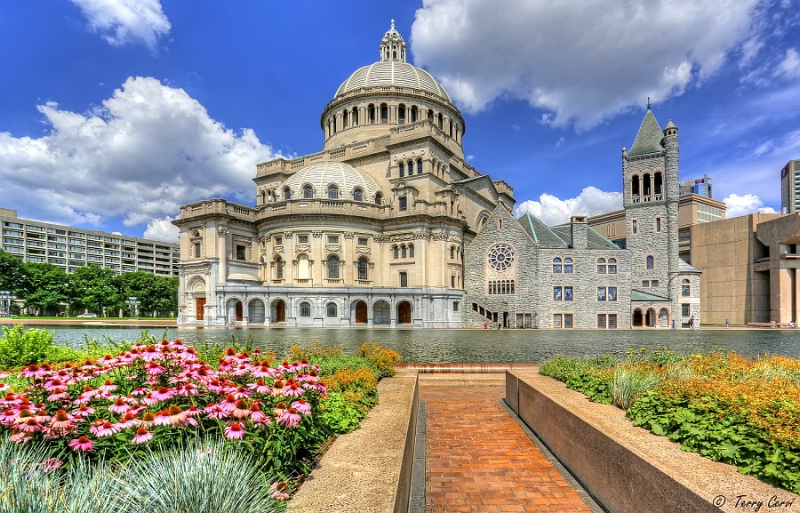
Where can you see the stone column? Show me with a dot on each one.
(222, 254)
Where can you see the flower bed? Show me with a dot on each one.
(162, 397)
(740, 411)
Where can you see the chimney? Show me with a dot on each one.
(578, 231)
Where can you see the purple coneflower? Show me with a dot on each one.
(128, 421)
(62, 422)
(229, 403)
(279, 409)
(234, 431)
(32, 371)
(103, 428)
(82, 444)
(153, 368)
(302, 407)
(290, 418)
(215, 411)
(82, 411)
(108, 386)
(163, 394)
(142, 436)
(258, 416)
(241, 410)
(119, 407)
(279, 491)
(260, 387)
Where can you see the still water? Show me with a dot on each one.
(437, 346)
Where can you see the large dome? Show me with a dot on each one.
(322, 175)
(393, 73)
(393, 70)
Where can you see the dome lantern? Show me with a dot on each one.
(392, 47)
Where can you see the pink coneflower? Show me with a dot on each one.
(279, 491)
(162, 418)
(187, 390)
(41, 414)
(139, 391)
(241, 370)
(234, 431)
(193, 411)
(258, 416)
(290, 418)
(103, 428)
(3, 375)
(8, 417)
(241, 393)
(176, 415)
(142, 436)
(82, 444)
(215, 411)
(30, 425)
(229, 403)
(215, 385)
(4, 387)
(88, 365)
(108, 386)
(302, 407)
(51, 464)
(19, 436)
(150, 353)
(148, 419)
(62, 422)
(241, 410)
(82, 411)
(154, 369)
(279, 409)
(278, 388)
(260, 387)
(119, 407)
(294, 389)
(261, 372)
(129, 420)
(53, 384)
(32, 371)
(163, 394)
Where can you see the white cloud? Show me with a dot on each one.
(552, 210)
(141, 154)
(789, 67)
(743, 205)
(125, 21)
(581, 64)
(162, 229)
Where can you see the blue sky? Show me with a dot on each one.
(113, 113)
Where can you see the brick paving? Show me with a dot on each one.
(478, 459)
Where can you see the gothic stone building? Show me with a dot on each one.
(388, 225)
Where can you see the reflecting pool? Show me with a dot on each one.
(437, 346)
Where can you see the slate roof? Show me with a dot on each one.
(637, 295)
(649, 137)
(686, 268)
(540, 232)
(593, 239)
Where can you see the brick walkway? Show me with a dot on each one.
(479, 460)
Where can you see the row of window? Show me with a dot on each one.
(567, 321)
(501, 287)
(402, 168)
(658, 225)
(565, 293)
(350, 118)
(566, 265)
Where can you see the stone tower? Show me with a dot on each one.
(650, 188)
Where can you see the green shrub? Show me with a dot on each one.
(628, 385)
(20, 347)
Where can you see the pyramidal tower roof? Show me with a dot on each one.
(649, 138)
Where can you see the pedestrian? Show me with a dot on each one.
(486, 325)
(691, 323)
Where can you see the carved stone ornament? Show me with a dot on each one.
(302, 248)
(440, 236)
(421, 235)
(361, 250)
(402, 237)
(317, 234)
(349, 235)
(381, 238)
(333, 248)
(277, 249)
(222, 231)
(287, 234)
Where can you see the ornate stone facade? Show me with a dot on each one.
(388, 225)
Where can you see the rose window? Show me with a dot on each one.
(501, 257)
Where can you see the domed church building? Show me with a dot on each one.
(389, 226)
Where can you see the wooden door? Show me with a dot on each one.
(361, 312)
(199, 308)
(239, 311)
(404, 313)
(280, 311)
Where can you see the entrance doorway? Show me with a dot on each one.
(637, 318)
(279, 312)
(361, 312)
(404, 313)
(239, 311)
(199, 308)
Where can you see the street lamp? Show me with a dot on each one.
(132, 303)
(5, 302)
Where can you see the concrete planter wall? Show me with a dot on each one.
(627, 469)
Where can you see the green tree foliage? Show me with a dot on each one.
(47, 286)
(94, 289)
(13, 276)
(157, 295)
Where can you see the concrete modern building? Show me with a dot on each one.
(700, 186)
(70, 248)
(750, 269)
(790, 187)
(388, 225)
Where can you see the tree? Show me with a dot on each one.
(47, 287)
(157, 295)
(94, 289)
(13, 275)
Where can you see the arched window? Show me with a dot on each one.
(362, 268)
(303, 268)
(287, 193)
(567, 265)
(344, 119)
(354, 117)
(402, 167)
(414, 114)
(384, 113)
(263, 197)
(658, 183)
(358, 195)
(379, 198)
(308, 191)
(401, 113)
(403, 251)
(601, 266)
(686, 288)
(411, 250)
(333, 267)
(197, 244)
(635, 185)
(396, 251)
(646, 185)
(651, 262)
(612, 266)
(452, 252)
(278, 268)
(333, 192)
(430, 115)
(332, 310)
(441, 121)
(305, 309)
(372, 113)
(419, 167)
(557, 268)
